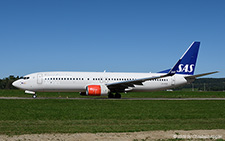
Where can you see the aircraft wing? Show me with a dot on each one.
(121, 86)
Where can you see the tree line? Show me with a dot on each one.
(206, 84)
(201, 84)
(6, 83)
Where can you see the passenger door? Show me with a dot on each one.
(39, 78)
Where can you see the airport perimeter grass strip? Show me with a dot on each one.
(76, 116)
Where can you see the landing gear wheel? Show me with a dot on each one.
(117, 95)
(34, 96)
(111, 95)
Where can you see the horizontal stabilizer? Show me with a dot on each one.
(199, 75)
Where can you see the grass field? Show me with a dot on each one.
(71, 116)
(159, 94)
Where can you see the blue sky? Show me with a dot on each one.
(112, 35)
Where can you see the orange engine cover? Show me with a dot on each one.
(94, 90)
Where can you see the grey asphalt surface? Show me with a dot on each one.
(100, 98)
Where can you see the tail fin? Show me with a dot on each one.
(188, 60)
(186, 64)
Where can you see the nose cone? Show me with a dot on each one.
(16, 83)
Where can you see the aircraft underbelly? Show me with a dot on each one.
(151, 86)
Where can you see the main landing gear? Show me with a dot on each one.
(117, 95)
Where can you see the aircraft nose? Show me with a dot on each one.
(16, 83)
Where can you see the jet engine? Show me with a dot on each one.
(97, 90)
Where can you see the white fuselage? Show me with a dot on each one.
(109, 83)
(78, 81)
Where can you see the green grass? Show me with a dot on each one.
(160, 94)
(72, 116)
(176, 94)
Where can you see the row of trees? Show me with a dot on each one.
(6, 83)
(207, 84)
(202, 84)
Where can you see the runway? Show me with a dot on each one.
(101, 98)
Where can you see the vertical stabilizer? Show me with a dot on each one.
(188, 60)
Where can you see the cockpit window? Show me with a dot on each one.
(26, 78)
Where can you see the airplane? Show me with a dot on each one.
(111, 84)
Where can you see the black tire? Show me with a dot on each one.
(34, 96)
(117, 95)
(111, 95)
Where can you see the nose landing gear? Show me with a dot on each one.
(31, 92)
(34, 96)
